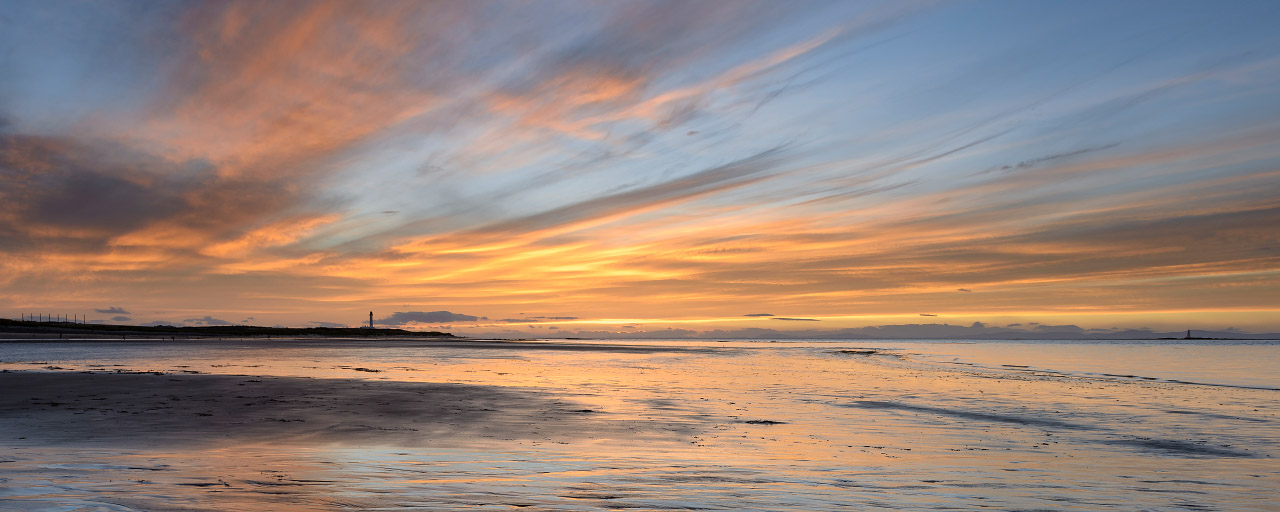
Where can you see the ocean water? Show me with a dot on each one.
(732, 425)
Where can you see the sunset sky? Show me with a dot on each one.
(566, 167)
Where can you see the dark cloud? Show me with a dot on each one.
(87, 199)
(425, 317)
(927, 314)
(794, 319)
(121, 318)
(71, 194)
(1227, 240)
(113, 310)
(207, 321)
(1244, 233)
(100, 187)
(758, 314)
(1025, 164)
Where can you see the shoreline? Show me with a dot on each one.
(404, 342)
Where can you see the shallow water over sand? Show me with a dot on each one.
(323, 425)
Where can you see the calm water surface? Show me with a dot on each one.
(912, 425)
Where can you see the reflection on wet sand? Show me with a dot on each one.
(586, 426)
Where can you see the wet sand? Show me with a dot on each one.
(461, 425)
(130, 408)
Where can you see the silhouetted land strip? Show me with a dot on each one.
(228, 331)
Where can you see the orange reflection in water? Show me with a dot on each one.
(786, 426)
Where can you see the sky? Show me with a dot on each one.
(636, 167)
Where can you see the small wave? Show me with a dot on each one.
(1001, 418)
(1217, 416)
(1169, 446)
(1098, 375)
(1180, 447)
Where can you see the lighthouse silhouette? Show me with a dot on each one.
(370, 319)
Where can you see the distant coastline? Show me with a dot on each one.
(27, 329)
(111, 331)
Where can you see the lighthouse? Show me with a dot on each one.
(370, 319)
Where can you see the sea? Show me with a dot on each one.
(792, 425)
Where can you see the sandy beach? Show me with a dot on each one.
(160, 409)
(325, 425)
(187, 407)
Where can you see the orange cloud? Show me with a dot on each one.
(275, 234)
(273, 85)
